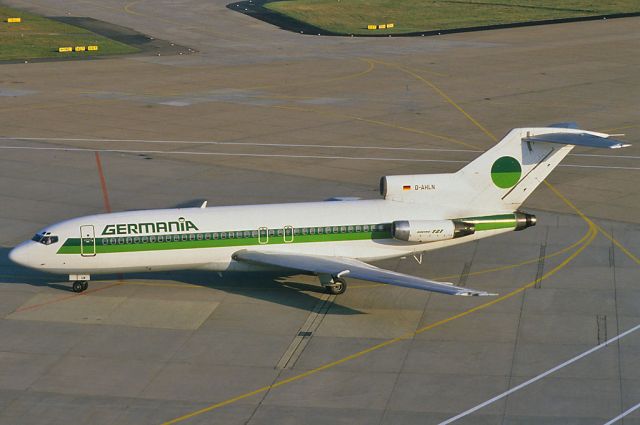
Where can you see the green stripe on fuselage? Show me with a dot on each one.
(72, 245)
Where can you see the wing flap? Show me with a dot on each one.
(341, 266)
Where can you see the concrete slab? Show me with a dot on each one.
(116, 311)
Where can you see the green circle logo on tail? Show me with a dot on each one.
(506, 172)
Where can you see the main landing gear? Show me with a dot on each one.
(80, 286)
(337, 286)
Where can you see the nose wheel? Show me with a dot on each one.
(338, 286)
(80, 286)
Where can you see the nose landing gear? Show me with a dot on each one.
(80, 282)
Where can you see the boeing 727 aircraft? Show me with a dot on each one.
(332, 240)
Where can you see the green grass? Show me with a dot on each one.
(352, 16)
(39, 37)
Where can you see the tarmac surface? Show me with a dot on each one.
(261, 115)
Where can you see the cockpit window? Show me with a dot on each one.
(45, 238)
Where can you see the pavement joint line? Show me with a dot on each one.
(623, 414)
(618, 244)
(302, 337)
(591, 234)
(543, 375)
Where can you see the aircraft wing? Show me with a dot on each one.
(348, 267)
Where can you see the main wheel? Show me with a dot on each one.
(85, 285)
(338, 287)
(79, 286)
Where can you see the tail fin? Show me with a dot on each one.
(503, 177)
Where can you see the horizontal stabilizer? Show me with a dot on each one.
(578, 139)
(573, 125)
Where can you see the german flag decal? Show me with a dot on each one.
(406, 187)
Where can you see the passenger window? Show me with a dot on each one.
(176, 238)
(129, 240)
(184, 237)
(207, 236)
(358, 228)
(120, 241)
(305, 231)
(105, 241)
(215, 236)
(160, 238)
(320, 230)
(365, 227)
(343, 229)
(152, 238)
(192, 237)
(136, 239)
(254, 233)
(145, 239)
(223, 235)
(112, 241)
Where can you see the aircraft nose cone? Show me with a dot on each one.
(19, 255)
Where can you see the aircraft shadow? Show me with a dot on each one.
(276, 288)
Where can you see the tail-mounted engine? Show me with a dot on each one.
(430, 230)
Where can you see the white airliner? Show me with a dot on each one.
(329, 239)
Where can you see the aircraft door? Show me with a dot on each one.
(288, 234)
(87, 241)
(263, 235)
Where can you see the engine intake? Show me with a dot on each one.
(430, 230)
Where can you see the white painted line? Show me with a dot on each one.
(254, 155)
(264, 155)
(212, 142)
(281, 145)
(599, 166)
(539, 377)
(623, 414)
(605, 156)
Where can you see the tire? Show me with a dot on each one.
(78, 287)
(339, 286)
(85, 285)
